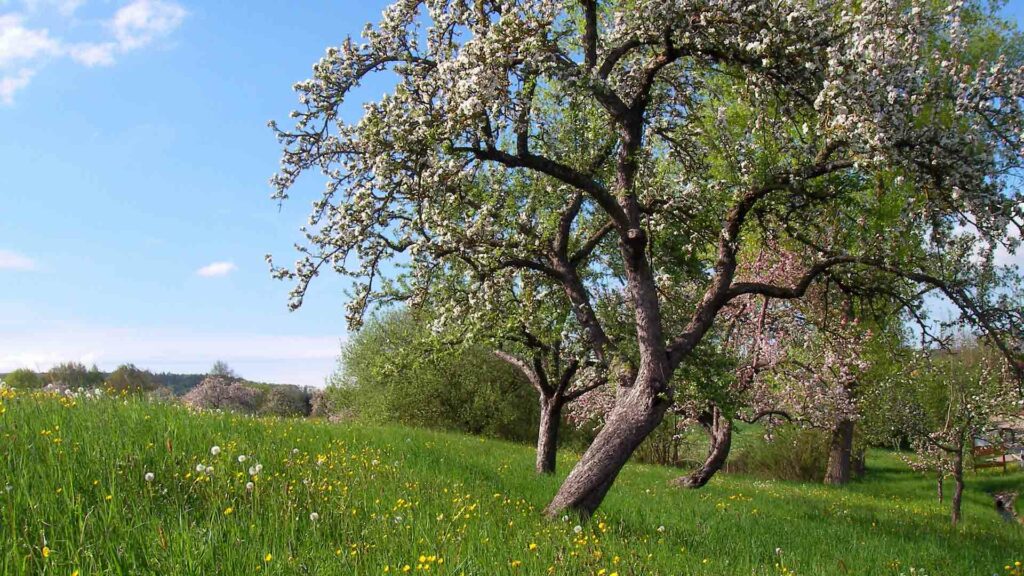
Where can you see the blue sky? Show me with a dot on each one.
(134, 203)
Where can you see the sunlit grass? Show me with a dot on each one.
(347, 499)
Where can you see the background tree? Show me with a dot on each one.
(221, 368)
(130, 379)
(74, 375)
(23, 378)
(860, 135)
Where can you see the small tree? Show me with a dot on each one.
(950, 399)
(221, 368)
(24, 378)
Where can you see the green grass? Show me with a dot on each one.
(387, 496)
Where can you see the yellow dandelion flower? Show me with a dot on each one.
(268, 557)
(46, 551)
(228, 511)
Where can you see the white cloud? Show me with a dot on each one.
(19, 44)
(143, 21)
(12, 260)
(11, 83)
(24, 49)
(217, 269)
(90, 54)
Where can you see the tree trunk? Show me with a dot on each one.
(840, 451)
(547, 433)
(958, 488)
(939, 488)
(637, 412)
(719, 427)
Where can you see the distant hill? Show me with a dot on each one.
(180, 384)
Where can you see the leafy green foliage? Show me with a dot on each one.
(23, 378)
(75, 375)
(131, 379)
(396, 370)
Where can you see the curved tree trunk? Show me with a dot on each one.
(839, 455)
(547, 433)
(719, 428)
(958, 487)
(637, 413)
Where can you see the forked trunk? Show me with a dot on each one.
(958, 487)
(637, 413)
(547, 434)
(840, 452)
(719, 429)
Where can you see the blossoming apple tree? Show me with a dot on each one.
(638, 147)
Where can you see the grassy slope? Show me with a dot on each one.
(387, 496)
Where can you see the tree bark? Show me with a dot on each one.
(719, 428)
(958, 488)
(840, 452)
(638, 411)
(939, 488)
(547, 433)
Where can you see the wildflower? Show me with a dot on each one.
(268, 557)
(313, 516)
(249, 486)
(200, 468)
(46, 551)
(149, 476)
(228, 511)
(215, 450)
(577, 529)
(661, 528)
(241, 458)
(532, 546)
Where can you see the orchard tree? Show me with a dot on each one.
(947, 399)
(638, 147)
(540, 340)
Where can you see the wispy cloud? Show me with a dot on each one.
(24, 48)
(217, 269)
(13, 261)
(143, 21)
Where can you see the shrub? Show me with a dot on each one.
(23, 378)
(793, 453)
(128, 378)
(395, 369)
(285, 400)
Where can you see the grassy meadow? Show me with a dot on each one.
(115, 486)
